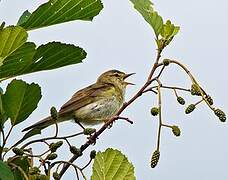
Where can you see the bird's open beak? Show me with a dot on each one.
(128, 75)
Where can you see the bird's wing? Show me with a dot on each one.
(84, 97)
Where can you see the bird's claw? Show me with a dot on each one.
(77, 122)
(92, 140)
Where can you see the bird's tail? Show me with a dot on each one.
(44, 123)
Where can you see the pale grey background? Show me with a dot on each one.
(119, 38)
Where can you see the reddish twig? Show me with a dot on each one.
(111, 120)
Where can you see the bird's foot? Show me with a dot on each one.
(93, 139)
(108, 123)
(77, 122)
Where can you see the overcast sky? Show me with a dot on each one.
(119, 38)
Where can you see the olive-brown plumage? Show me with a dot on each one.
(93, 104)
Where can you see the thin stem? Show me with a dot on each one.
(165, 125)
(3, 136)
(50, 138)
(87, 164)
(175, 92)
(21, 170)
(70, 164)
(160, 118)
(125, 105)
(76, 171)
(126, 119)
(77, 122)
(45, 142)
(5, 140)
(185, 69)
(174, 87)
(38, 155)
(155, 64)
(199, 102)
(202, 92)
(158, 76)
(150, 90)
(7, 136)
(67, 142)
(56, 128)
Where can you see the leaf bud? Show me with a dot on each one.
(154, 111)
(75, 151)
(180, 100)
(56, 176)
(54, 146)
(220, 114)
(155, 159)
(222, 118)
(89, 131)
(54, 113)
(166, 62)
(18, 151)
(176, 130)
(190, 108)
(93, 154)
(52, 156)
(34, 170)
(195, 90)
(5, 149)
(42, 177)
(210, 100)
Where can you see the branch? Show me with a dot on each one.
(174, 87)
(50, 138)
(5, 140)
(202, 92)
(160, 116)
(111, 120)
(21, 170)
(70, 164)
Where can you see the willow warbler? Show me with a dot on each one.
(93, 104)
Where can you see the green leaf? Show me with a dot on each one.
(16, 63)
(20, 100)
(55, 55)
(59, 11)
(145, 8)
(169, 30)
(5, 172)
(24, 17)
(112, 165)
(24, 163)
(28, 59)
(1, 61)
(19, 57)
(11, 39)
(3, 116)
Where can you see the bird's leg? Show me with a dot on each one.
(126, 119)
(77, 122)
(107, 122)
(114, 118)
(91, 133)
(92, 139)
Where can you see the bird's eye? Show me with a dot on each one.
(116, 75)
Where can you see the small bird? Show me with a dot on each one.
(93, 104)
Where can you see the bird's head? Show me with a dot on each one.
(115, 77)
